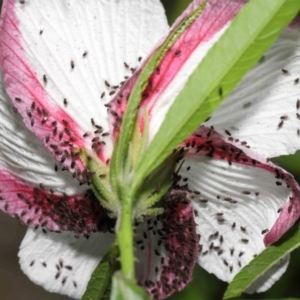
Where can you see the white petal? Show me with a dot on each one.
(264, 282)
(268, 92)
(68, 49)
(235, 207)
(23, 153)
(207, 142)
(45, 256)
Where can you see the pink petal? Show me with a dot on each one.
(50, 123)
(179, 61)
(167, 247)
(287, 218)
(57, 67)
(24, 154)
(39, 207)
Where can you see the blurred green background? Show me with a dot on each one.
(14, 285)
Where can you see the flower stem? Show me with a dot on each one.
(125, 238)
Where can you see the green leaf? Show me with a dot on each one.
(99, 285)
(263, 262)
(124, 289)
(250, 34)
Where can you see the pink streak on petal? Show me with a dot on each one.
(28, 91)
(206, 141)
(214, 17)
(118, 104)
(296, 22)
(175, 260)
(288, 216)
(50, 210)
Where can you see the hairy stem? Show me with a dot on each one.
(125, 238)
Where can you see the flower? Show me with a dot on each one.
(67, 68)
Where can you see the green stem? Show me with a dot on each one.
(125, 238)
